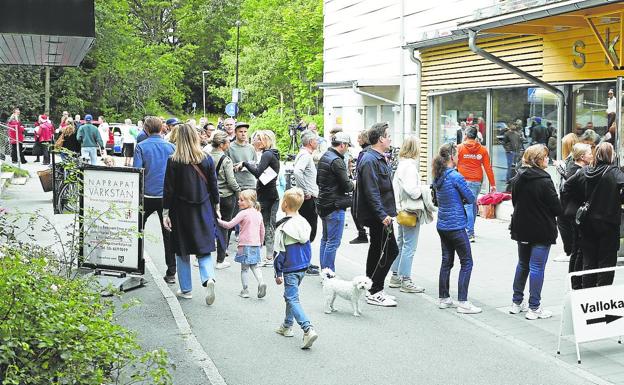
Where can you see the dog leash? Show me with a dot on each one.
(387, 231)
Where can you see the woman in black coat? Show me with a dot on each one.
(599, 234)
(534, 228)
(190, 197)
(70, 142)
(581, 156)
(266, 187)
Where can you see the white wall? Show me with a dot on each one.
(363, 41)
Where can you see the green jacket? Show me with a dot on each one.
(89, 136)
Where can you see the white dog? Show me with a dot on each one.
(352, 290)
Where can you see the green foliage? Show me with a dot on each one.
(15, 170)
(59, 331)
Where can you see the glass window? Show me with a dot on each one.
(590, 106)
(452, 112)
(370, 116)
(387, 115)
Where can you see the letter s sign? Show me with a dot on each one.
(580, 55)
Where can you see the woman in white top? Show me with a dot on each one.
(128, 138)
(408, 197)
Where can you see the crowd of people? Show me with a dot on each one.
(206, 182)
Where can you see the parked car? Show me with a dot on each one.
(29, 138)
(115, 132)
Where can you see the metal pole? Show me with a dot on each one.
(238, 23)
(204, 91)
(46, 109)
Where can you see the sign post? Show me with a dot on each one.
(111, 235)
(231, 109)
(592, 314)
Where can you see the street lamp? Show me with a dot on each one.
(204, 90)
(238, 24)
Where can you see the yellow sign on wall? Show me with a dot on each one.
(577, 55)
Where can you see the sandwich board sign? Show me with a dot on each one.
(594, 313)
(111, 207)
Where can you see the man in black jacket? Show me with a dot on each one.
(334, 185)
(375, 210)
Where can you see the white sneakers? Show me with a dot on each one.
(210, 292)
(466, 307)
(187, 295)
(463, 307)
(518, 308)
(222, 265)
(308, 338)
(395, 282)
(262, 290)
(407, 286)
(538, 313)
(285, 331)
(381, 299)
(244, 293)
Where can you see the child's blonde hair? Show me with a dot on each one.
(251, 197)
(293, 198)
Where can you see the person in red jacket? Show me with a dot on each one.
(473, 158)
(44, 134)
(16, 137)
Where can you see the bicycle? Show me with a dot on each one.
(68, 193)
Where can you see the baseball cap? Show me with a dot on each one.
(88, 118)
(538, 120)
(342, 137)
(172, 121)
(242, 124)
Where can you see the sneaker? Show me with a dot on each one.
(472, 238)
(210, 291)
(308, 338)
(244, 293)
(465, 307)
(359, 239)
(262, 290)
(266, 262)
(447, 302)
(195, 262)
(285, 331)
(562, 258)
(222, 265)
(170, 279)
(516, 308)
(407, 286)
(379, 299)
(538, 313)
(395, 281)
(187, 295)
(312, 271)
(315, 267)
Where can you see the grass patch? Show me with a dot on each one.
(18, 172)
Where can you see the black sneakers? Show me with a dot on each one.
(313, 270)
(170, 279)
(359, 239)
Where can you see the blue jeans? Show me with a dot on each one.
(455, 241)
(510, 161)
(471, 209)
(293, 306)
(531, 263)
(89, 152)
(206, 270)
(407, 241)
(333, 225)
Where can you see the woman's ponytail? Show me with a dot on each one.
(445, 154)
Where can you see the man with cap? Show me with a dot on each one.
(90, 140)
(170, 124)
(334, 187)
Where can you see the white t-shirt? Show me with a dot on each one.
(103, 129)
(126, 135)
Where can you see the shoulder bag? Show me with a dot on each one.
(581, 213)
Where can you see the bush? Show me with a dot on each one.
(56, 330)
(15, 170)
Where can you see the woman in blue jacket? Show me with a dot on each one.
(452, 193)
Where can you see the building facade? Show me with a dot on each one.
(487, 63)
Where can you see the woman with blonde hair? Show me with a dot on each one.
(567, 143)
(266, 171)
(189, 200)
(600, 186)
(68, 138)
(533, 227)
(409, 201)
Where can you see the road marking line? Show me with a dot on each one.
(473, 320)
(194, 347)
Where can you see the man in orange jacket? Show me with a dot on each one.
(473, 158)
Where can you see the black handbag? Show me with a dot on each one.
(345, 202)
(581, 213)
